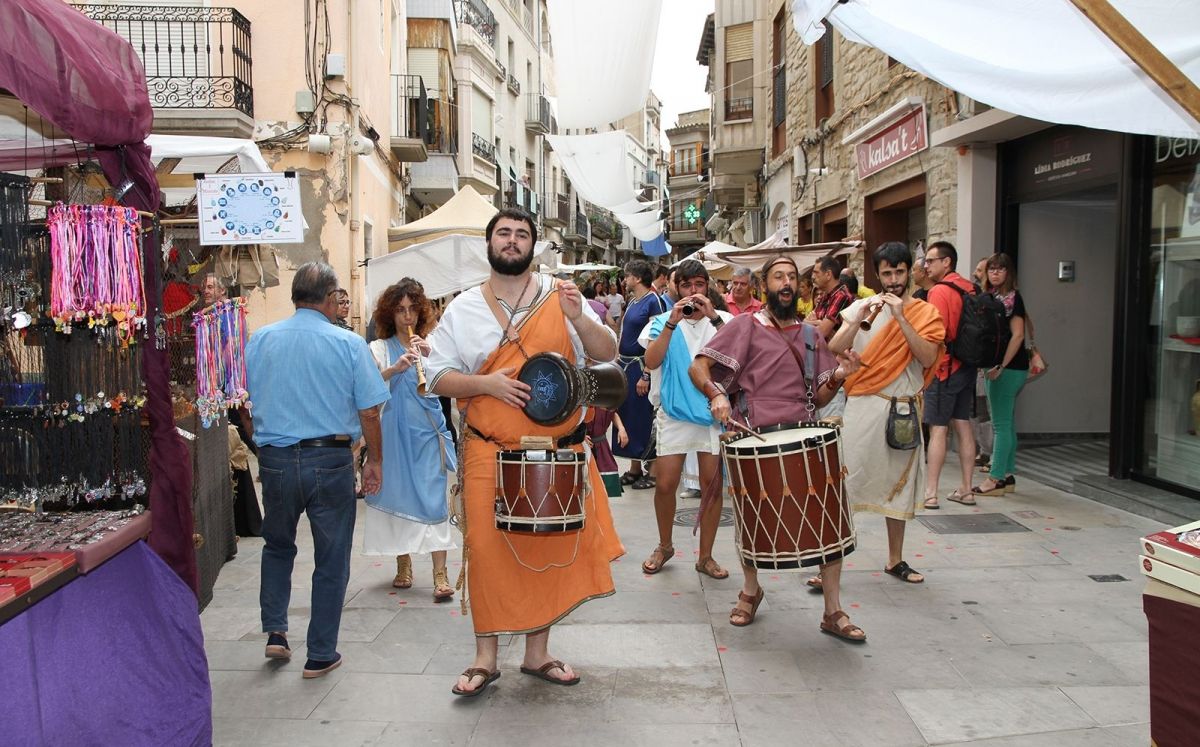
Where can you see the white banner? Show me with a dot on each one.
(249, 209)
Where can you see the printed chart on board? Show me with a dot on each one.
(249, 209)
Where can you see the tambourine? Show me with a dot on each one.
(557, 388)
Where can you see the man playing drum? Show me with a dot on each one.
(683, 422)
(899, 350)
(756, 360)
(519, 583)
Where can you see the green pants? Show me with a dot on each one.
(1002, 402)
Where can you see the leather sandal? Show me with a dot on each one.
(931, 503)
(850, 632)
(404, 577)
(628, 478)
(643, 483)
(958, 496)
(665, 553)
(471, 673)
(905, 572)
(710, 568)
(996, 489)
(442, 590)
(543, 673)
(740, 617)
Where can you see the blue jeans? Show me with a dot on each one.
(318, 481)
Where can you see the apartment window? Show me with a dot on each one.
(778, 87)
(686, 215)
(739, 71)
(686, 160)
(823, 75)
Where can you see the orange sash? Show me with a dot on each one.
(888, 353)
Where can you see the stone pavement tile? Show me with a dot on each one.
(771, 720)
(965, 714)
(867, 717)
(358, 624)
(794, 630)
(762, 671)
(584, 732)
(427, 735)
(1048, 623)
(835, 665)
(453, 658)
(667, 605)
(401, 698)
(1094, 737)
(888, 627)
(1131, 657)
(385, 657)
(1036, 664)
(230, 596)
(247, 656)
(287, 732)
(270, 693)
(1133, 734)
(628, 646)
(432, 626)
(521, 699)
(1113, 706)
(230, 623)
(670, 695)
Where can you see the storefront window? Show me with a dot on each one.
(1171, 444)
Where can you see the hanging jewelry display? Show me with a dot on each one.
(96, 264)
(220, 359)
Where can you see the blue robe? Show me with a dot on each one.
(637, 414)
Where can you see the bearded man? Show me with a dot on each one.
(753, 366)
(518, 583)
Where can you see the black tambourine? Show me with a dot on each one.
(557, 388)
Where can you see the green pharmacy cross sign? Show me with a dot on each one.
(692, 213)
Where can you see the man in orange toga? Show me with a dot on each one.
(519, 583)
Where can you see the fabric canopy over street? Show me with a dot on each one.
(804, 256)
(466, 214)
(1038, 59)
(443, 265)
(603, 54)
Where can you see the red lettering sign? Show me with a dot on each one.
(905, 137)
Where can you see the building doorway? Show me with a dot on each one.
(896, 213)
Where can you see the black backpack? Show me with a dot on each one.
(983, 332)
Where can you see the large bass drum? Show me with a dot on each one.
(540, 490)
(557, 388)
(788, 495)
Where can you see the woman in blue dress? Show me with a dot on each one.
(410, 514)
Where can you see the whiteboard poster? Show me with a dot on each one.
(249, 209)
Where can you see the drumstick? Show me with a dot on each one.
(745, 429)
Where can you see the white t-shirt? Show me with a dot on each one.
(616, 304)
(695, 334)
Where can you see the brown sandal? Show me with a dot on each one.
(709, 568)
(404, 577)
(442, 590)
(664, 553)
(740, 617)
(851, 632)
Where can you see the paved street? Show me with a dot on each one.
(1009, 642)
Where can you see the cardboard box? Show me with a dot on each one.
(1170, 574)
(1165, 547)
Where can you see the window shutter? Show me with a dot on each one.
(739, 42)
(827, 56)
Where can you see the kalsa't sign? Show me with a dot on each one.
(905, 137)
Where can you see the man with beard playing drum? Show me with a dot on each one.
(519, 583)
(769, 369)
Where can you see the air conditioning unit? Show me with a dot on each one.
(715, 224)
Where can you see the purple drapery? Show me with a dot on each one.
(88, 82)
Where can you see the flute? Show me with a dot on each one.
(865, 324)
(419, 365)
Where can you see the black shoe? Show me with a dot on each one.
(314, 668)
(277, 646)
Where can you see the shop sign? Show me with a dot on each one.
(1062, 159)
(905, 137)
(1175, 148)
(249, 209)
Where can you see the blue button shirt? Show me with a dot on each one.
(309, 378)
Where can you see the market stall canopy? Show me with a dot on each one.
(572, 269)
(805, 256)
(444, 265)
(466, 213)
(178, 158)
(1038, 59)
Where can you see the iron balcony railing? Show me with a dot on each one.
(581, 224)
(523, 199)
(740, 108)
(411, 115)
(562, 205)
(482, 148)
(195, 58)
(477, 15)
(603, 225)
(514, 85)
(540, 119)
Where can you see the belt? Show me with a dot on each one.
(340, 442)
(574, 437)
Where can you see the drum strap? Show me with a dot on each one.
(808, 389)
(509, 333)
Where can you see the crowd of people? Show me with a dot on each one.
(864, 387)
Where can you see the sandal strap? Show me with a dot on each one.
(552, 664)
(833, 618)
(902, 569)
(472, 672)
(744, 597)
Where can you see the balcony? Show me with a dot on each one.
(576, 229)
(739, 108)
(477, 15)
(482, 148)
(503, 71)
(523, 199)
(514, 85)
(527, 19)
(197, 61)
(540, 120)
(410, 119)
(603, 225)
(556, 210)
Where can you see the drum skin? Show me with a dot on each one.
(540, 491)
(789, 498)
(557, 389)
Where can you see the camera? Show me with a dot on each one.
(688, 309)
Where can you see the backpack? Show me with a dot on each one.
(983, 333)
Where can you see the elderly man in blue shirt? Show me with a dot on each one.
(316, 390)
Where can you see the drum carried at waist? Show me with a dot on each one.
(557, 388)
(788, 494)
(540, 490)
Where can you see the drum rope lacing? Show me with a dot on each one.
(578, 533)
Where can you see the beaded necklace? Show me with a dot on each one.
(221, 334)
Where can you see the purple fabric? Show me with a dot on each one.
(88, 82)
(114, 657)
